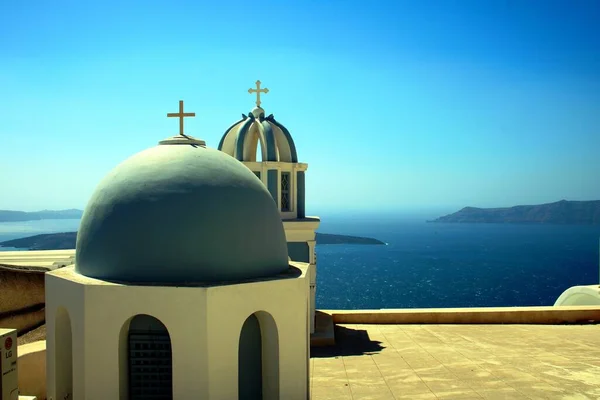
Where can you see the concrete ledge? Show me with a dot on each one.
(31, 365)
(487, 315)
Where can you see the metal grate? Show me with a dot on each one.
(150, 366)
(285, 191)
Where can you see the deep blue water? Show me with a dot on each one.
(434, 265)
(454, 265)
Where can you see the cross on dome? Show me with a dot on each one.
(181, 115)
(258, 91)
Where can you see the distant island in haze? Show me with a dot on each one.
(67, 240)
(560, 212)
(15, 216)
(328, 238)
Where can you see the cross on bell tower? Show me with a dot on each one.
(258, 91)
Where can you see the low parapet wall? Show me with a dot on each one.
(21, 288)
(487, 315)
(21, 297)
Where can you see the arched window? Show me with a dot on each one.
(148, 359)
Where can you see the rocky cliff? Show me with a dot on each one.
(561, 212)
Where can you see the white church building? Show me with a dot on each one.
(180, 290)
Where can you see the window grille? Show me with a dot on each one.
(285, 191)
(150, 366)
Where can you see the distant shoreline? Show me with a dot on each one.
(22, 216)
(67, 240)
(560, 213)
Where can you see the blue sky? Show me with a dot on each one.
(396, 106)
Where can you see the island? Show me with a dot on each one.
(560, 212)
(66, 240)
(14, 216)
(328, 238)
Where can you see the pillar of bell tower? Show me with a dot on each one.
(300, 198)
(272, 184)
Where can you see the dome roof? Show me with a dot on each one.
(180, 213)
(242, 138)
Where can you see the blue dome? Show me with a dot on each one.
(241, 139)
(181, 213)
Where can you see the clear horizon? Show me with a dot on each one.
(398, 107)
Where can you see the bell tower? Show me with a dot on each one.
(266, 147)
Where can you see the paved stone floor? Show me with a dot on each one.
(459, 362)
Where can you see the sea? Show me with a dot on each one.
(433, 264)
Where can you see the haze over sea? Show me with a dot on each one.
(431, 264)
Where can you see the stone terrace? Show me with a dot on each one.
(459, 362)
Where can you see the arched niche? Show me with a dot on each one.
(145, 359)
(258, 358)
(63, 359)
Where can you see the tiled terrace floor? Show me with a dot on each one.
(459, 362)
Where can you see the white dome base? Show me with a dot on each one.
(580, 296)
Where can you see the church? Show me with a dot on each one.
(194, 277)
(179, 289)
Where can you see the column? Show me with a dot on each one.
(313, 282)
(300, 194)
(273, 185)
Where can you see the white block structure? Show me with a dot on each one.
(8, 365)
(200, 342)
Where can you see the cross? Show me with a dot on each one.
(181, 115)
(258, 91)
